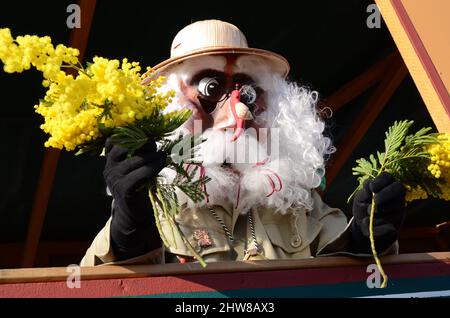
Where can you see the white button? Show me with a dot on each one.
(296, 241)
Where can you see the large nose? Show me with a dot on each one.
(231, 114)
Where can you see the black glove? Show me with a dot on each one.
(388, 215)
(133, 229)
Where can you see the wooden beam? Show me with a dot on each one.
(52, 274)
(78, 39)
(359, 84)
(395, 74)
(420, 31)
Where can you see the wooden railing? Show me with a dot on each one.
(27, 275)
(321, 276)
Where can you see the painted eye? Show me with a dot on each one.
(248, 94)
(209, 87)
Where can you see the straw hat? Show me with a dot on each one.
(211, 37)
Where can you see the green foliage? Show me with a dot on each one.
(159, 125)
(192, 188)
(92, 148)
(404, 157)
(106, 109)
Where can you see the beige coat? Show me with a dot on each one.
(297, 234)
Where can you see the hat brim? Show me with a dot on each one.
(277, 63)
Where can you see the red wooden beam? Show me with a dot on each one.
(41, 198)
(359, 84)
(49, 274)
(395, 74)
(249, 277)
(78, 39)
(245, 284)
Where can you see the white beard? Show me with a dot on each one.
(299, 164)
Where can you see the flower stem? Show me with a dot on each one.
(166, 214)
(77, 69)
(163, 237)
(372, 243)
(193, 251)
(155, 211)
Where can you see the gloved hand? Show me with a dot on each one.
(388, 215)
(133, 229)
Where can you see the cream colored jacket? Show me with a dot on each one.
(297, 234)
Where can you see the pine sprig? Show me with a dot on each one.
(405, 158)
(94, 147)
(395, 136)
(188, 185)
(159, 125)
(156, 126)
(130, 137)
